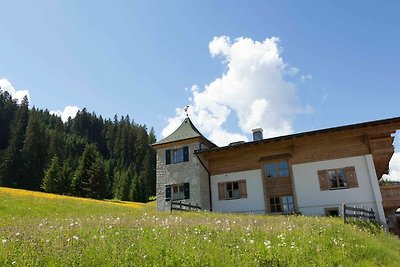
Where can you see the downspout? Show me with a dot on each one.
(209, 178)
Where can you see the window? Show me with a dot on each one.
(277, 169)
(332, 212)
(340, 178)
(275, 204)
(173, 156)
(177, 191)
(232, 190)
(287, 202)
(281, 204)
(337, 178)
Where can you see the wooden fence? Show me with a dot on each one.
(357, 213)
(179, 205)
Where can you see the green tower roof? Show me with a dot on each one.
(185, 131)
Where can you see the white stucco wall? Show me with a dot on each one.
(312, 201)
(254, 202)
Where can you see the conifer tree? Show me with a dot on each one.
(34, 153)
(52, 177)
(89, 179)
(12, 163)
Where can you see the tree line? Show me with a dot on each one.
(87, 156)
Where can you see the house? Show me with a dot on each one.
(312, 173)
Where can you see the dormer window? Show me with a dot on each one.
(173, 156)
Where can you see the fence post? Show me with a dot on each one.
(344, 212)
(171, 206)
(180, 205)
(362, 213)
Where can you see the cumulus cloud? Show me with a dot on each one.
(305, 78)
(69, 111)
(394, 164)
(254, 88)
(16, 94)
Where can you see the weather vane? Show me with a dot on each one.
(187, 111)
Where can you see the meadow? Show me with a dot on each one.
(38, 229)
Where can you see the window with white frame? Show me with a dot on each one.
(340, 178)
(177, 191)
(232, 190)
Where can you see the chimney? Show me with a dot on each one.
(257, 134)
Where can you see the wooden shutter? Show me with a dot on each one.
(186, 190)
(351, 176)
(323, 180)
(167, 156)
(185, 153)
(243, 189)
(167, 193)
(221, 191)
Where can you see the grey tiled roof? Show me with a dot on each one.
(185, 131)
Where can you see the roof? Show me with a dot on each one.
(185, 131)
(316, 132)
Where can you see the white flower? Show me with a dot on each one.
(4, 241)
(267, 243)
(75, 237)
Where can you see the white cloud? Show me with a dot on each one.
(16, 94)
(394, 164)
(305, 78)
(69, 111)
(254, 88)
(394, 167)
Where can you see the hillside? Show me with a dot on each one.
(38, 229)
(86, 156)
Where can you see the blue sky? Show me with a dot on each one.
(338, 61)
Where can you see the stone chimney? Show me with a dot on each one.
(257, 134)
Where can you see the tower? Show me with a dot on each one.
(182, 174)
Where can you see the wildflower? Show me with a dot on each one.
(267, 243)
(13, 262)
(75, 237)
(251, 241)
(4, 241)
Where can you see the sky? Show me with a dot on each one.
(285, 66)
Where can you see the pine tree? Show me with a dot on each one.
(97, 179)
(53, 177)
(90, 176)
(12, 163)
(34, 153)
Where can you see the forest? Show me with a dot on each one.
(87, 156)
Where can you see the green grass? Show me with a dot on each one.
(47, 230)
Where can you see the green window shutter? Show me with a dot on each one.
(185, 153)
(167, 193)
(167, 156)
(186, 190)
